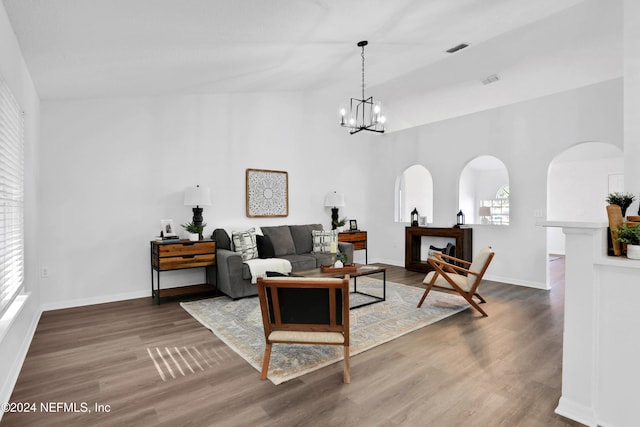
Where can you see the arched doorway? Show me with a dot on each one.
(578, 182)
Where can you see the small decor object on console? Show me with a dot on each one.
(168, 231)
(353, 225)
(459, 219)
(195, 231)
(267, 193)
(414, 217)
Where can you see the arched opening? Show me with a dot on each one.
(578, 182)
(414, 190)
(484, 191)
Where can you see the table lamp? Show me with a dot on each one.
(334, 200)
(197, 196)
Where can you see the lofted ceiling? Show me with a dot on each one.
(106, 48)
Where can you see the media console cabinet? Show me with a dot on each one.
(415, 261)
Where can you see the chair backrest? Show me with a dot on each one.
(304, 304)
(479, 265)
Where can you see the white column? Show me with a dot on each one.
(601, 348)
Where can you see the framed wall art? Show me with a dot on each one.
(267, 193)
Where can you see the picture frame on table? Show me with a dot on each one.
(167, 229)
(353, 225)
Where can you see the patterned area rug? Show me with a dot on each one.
(239, 325)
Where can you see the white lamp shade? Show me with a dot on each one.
(334, 199)
(197, 196)
(484, 211)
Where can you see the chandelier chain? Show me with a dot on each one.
(362, 54)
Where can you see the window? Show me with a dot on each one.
(498, 208)
(11, 197)
(484, 191)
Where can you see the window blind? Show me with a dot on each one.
(11, 197)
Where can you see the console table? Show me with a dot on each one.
(178, 255)
(414, 261)
(358, 239)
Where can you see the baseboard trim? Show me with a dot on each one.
(576, 412)
(518, 282)
(58, 305)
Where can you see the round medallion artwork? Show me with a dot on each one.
(266, 193)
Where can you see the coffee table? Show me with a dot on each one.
(362, 270)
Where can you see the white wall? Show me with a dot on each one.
(526, 136)
(16, 333)
(113, 168)
(632, 98)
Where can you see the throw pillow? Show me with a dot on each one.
(244, 242)
(281, 239)
(322, 240)
(265, 247)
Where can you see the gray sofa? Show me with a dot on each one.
(291, 242)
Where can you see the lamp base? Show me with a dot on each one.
(334, 217)
(197, 218)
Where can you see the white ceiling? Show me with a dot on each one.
(103, 48)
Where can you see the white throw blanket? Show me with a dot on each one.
(259, 267)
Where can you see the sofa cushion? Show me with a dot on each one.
(265, 247)
(323, 259)
(322, 240)
(244, 242)
(302, 238)
(301, 262)
(281, 240)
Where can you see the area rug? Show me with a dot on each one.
(239, 325)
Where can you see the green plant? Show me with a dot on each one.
(621, 199)
(628, 235)
(341, 257)
(340, 222)
(192, 228)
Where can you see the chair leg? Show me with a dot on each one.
(346, 374)
(426, 292)
(482, 300)
(475, 305)
(265, 361)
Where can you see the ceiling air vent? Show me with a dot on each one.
(458, 47)
(491, 79)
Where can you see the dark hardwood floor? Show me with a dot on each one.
(502, 370)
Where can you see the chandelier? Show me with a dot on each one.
(364, 113)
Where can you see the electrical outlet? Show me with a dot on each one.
(538, 213)
(44, 272)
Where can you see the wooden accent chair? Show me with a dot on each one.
(463, 277)
(304, 310)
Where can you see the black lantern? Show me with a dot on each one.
(414, 217)
(459, 218)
